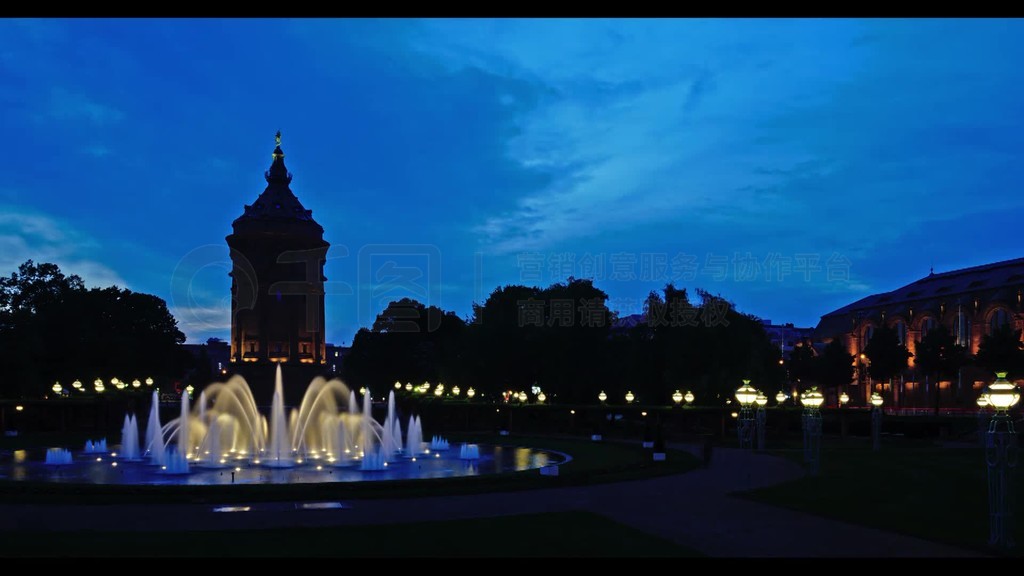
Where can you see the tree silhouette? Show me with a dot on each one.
(834, 367)
(886, 355)
(1002, 351)
(939, 356)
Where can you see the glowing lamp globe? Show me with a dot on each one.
(398, 385)
(982, 401)
(746, 394)
(1002, 394)
(812, 399)
(541, 397)
(677, 396)
(136, 383)
(522, 396)
(602, 396)
(844, 398)
(57, 388)
(438, 391)
(120, 385)
(688, 397)
(470, 393)
(876, 400)
(190, 389)
(629, 396)
(761, 399)
(408, 386)
(781, 397)
(77, 384)
(456, 390)
(149, 381)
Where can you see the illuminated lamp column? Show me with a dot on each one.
(811, 420)
(747, 395)
(1001, 458)
(761, 420)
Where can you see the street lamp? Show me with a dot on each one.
(688, 397)
(761, 400)
(541, 397)
(781, 397)
(408, 386)
(601, 396)
(629, 397)
(98, 385)
(149, 381)
(812, 400)
(876, 420)
(136, 383)
(746, 394)
(982, 421)
(470, 393)
(677, 397)
(189, 389)
(77, 384)
(1001, 457)
(57, 387)
(398, 385)
(843, 399)
(456, 390)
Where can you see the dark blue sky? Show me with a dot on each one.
(791, 166)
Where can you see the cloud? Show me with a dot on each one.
(27, 234)
(770, 129)
(64, 105)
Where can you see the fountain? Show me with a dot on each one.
(438, 443)
(329, 425)
(154, 434)
(374, 460)
(469, 452)
(96, 447)
(414, 438)
(130, 439)
(58, 456)
(176, 462)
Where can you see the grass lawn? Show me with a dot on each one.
(915, 487)
(592, 462)
(556, 534)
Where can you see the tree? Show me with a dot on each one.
(939, 356)
(886, 355)
(802, 363)
(834, 367)
(52, 328)
(1002, 351)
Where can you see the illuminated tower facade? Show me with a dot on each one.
(277, 280)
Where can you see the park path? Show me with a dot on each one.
(692, 509)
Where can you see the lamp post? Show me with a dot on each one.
(982, 420)
(876, 420)
(601, 397)
(761, 400)
(688, 397)
(812, 428)
(746, 394)
(677, 397)
(1001, 458)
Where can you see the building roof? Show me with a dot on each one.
(997, 280)
(277, 202)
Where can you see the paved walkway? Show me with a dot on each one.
(692, 509)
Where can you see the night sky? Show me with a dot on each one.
(791, 166)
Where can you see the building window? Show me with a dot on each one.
(963, 330)
(998, 319)
(927, 325)
(869, 333)
(901, 332)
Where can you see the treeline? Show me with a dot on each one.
(54, 329)
(564, 340)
